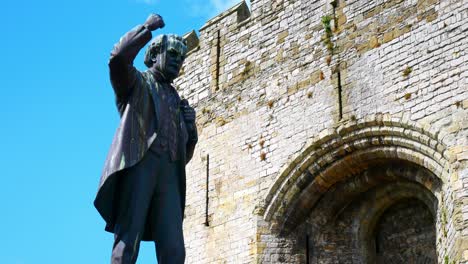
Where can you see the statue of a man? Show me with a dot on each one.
(141, 194)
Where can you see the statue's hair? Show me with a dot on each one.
(158, 44)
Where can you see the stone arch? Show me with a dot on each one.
(411, 240)
(385, 197)
(344, 219)
(347, 151)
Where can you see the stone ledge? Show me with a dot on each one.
(192, 40)
(241, 8)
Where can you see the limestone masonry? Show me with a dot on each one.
(329, 132)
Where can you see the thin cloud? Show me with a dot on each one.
(200, 8)
(148, 2)
(222, 5)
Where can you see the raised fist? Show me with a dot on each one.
(154, 22)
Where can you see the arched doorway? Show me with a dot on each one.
(349, 223)
(350, 181)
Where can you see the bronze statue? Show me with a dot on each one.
(141, 194)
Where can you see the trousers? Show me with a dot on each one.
(150, 198)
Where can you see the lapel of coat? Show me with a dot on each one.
(154, 88)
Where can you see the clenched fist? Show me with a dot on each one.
(154, 22)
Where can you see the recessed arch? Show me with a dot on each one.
(347, 214)
(398, 177)
(383, 198)
(347, 151)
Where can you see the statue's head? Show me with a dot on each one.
(166, 53)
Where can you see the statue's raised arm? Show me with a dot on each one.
(122, 72)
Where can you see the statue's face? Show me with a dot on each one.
(172, 59)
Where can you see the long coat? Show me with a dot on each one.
(138, 103)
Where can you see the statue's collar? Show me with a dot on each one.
(159, 76)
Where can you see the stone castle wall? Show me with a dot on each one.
(286, 113)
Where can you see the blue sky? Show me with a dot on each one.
(58, 119)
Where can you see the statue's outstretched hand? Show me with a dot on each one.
(154, 22)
